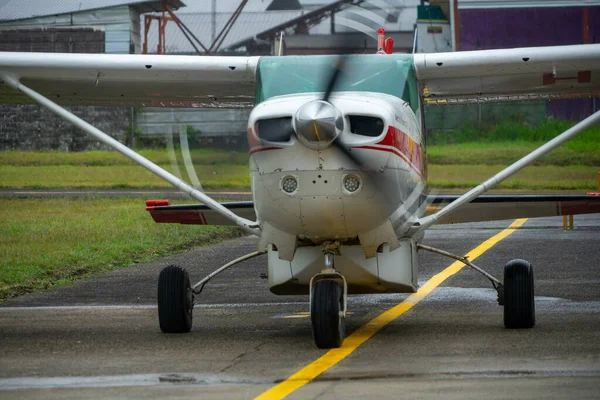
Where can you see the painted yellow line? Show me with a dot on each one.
(365, 332)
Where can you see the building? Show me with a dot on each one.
(71, 26)
(499, 24)
(74, 26)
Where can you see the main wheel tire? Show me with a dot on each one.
(175, 300)
(519, 304)
(327, 325)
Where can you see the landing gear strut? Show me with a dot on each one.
(515, 294)
(328, 303)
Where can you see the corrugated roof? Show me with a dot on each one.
(11, 10)
(229, 6)
(247, 25)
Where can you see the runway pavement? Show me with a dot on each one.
(99, 338)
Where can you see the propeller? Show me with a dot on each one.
(336, 74)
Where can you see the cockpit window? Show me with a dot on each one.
(392, 74)
(366, 126)
(275, 129)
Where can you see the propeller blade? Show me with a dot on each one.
(335, 75)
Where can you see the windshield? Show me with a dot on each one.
(390, 74)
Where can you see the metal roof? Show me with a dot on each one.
(247, 25)
(228, 6)
(11, 10)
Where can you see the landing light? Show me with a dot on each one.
(351, 183)
(289, 184)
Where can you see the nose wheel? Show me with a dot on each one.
(328, 301)
(328, 325)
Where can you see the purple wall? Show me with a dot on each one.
(503, 28)
(520, 27)
(594, 24)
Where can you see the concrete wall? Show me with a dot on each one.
(31, 127)
(121, 33)
(56, 40)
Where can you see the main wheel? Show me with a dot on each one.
(327, 323)
(519, 305)
(175, 300)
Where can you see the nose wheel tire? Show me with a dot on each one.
(175, 300)
(328, 325)
(519, 306)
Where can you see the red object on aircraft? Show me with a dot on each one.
(150, 204)
(380, 40)
(388, 45)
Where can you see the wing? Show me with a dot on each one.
(197, 214)
(132, 80)
(483, 208)
(509, 74)
(497, 207)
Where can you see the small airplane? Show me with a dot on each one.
(338, 160)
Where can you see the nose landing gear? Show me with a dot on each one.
(328, 304)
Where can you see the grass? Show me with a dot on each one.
(574, 177)
(219, 176)
(227, 176)
(204, 157)
(474, 153)
(49, 242)
(518, 131)
(511, 140)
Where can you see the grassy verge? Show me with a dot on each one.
(518, 131)
(533, 178)
(236, 177)
(473, 153)
(49, 242)
(511, 140)
(117, 176)
(203, 157)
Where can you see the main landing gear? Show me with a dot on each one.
(516, 294)
(176, 295)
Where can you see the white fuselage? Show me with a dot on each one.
(391, 172)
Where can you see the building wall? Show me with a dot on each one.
(116, 23)
(523, 27)
(54, 40)
(32, 127)
(205, 127)
(498, 28)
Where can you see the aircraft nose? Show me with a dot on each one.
(318, 123)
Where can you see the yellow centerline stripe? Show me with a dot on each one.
(365, 332)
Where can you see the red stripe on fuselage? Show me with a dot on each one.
(399, 143)
(258, 149)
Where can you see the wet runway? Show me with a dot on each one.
(100, 338)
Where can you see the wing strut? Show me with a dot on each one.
(466, 198)
(247, 225)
